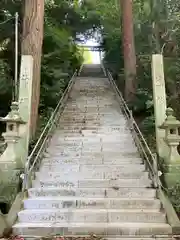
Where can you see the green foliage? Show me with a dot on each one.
(147, 126)
(173, 194)
(64, 21)
(5, 82)
(156, 28)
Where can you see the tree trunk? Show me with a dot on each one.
(129, 50)
(32, 39)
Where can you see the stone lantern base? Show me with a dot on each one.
(10, 185)
(172, 174)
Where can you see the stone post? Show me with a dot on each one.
(172, 139)
(159, 96)
(25, 101)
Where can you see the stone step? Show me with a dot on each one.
(79, 202)
(65, 122)
(123, 153)
(93, 128)
(90, 160)
(106, 146)
(91, 215)
(102, 229)
(90, 117)
(96, 169)
(95, 106)
(81, 137)
(93, 192)
(114, 118)
(98, 144)
(68, 175)
(102, 141)
(94, 139)
(157, 237)
(86, 131)
(88, 101)
(85, 148)
(91, 183)
(104, 154)
(78, 114)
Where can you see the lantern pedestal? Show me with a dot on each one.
(172, 174)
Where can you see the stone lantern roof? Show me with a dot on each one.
(170, 120)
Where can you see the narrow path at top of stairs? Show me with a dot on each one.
(92, 179)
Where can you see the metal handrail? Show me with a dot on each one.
(46, 133)
(149, 157)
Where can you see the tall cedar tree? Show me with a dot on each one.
(129, 49)
(32, 39)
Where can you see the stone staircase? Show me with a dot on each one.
(92, 179)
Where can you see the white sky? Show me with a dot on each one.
(95, 55)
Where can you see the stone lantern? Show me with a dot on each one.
(12, 135)
(172, 138)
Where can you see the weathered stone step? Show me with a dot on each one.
(98, 111)
(78, 114)
(93, 192)
(91, 139)
(102, 144)
(160, 237)
(91, 183)
(90, 160)
(96, 143)
(97, 169)
(73, 154)
(79, 111)
(98, 130)
(96, 149)
(91, 102)
(61, 175)
(102, 229)
(104, 112)
(91, 215)
(56, 153)
(87, 120)
(93, 133)
(87, 124)
(79, 202)
(85, 151)
(91, 105)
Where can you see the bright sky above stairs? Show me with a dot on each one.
(95, 55)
